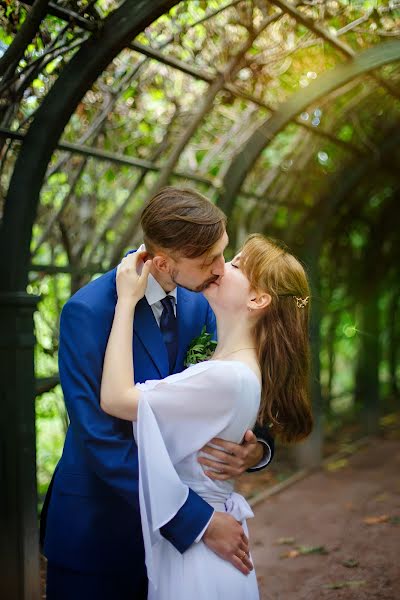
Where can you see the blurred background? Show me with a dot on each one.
(284, 113)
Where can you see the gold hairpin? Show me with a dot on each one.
(301, 302)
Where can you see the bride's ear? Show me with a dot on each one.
(259, 301)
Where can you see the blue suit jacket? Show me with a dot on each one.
(93, 522)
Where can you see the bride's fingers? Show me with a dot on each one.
(128, 262)
(146, 270)
(132, 260)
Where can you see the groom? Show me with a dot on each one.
(91, 524)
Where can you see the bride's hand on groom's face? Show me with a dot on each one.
(132, 276)
(230, 460)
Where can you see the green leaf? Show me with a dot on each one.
(312, 550)
(338, 585)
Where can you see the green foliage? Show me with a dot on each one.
(200, 349)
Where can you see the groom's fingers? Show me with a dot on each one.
(244, 550)
(226, 446)
(246, 561)
(238, 563)
(217, 476)
(217, 470)
(244, 564)
(225, 457)
(234, 458)
(224, 467)
(244, 553)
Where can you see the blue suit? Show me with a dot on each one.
(91, 521)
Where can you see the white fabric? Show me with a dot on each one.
(176, 417)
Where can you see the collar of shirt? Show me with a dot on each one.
(155, 293)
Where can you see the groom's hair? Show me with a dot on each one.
(181, 221)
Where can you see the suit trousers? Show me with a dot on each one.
(65, 584)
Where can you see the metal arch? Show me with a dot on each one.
(117, 32)
(363, 62)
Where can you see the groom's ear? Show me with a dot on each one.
(161, 263)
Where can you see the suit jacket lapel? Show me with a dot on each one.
(147, 330)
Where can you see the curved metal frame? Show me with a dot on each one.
(363, 62)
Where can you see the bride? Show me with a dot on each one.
(259, 372)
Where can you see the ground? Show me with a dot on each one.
(336, 533)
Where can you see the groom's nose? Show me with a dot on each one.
(219, 267)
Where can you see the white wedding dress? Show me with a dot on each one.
(176, 417)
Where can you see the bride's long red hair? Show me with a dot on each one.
(281, 336)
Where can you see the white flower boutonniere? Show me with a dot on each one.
(200, 349)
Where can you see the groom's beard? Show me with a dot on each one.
(199, 288)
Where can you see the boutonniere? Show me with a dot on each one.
(200, 349)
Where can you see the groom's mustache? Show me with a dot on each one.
(199, 288)
(208, 282)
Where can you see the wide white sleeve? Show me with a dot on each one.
(176, 416)
(192, 407)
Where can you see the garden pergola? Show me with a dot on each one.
(101, 51)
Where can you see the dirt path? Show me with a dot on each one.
(328, 509)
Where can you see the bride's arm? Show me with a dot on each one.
(118, 395)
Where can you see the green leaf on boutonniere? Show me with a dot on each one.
(200, 349)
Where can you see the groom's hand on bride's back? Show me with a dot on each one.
(226, 537)
(230, 460)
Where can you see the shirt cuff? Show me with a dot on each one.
(202, 532)
(266, 456)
